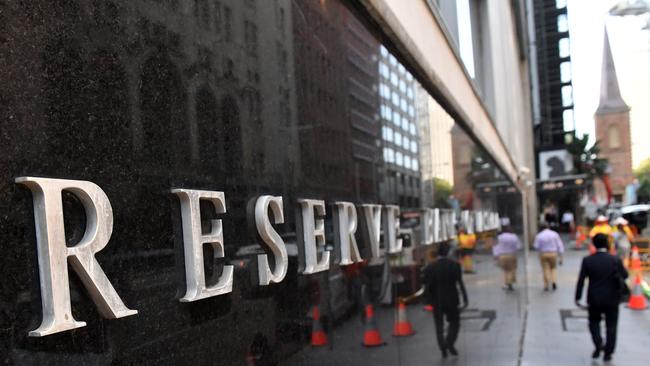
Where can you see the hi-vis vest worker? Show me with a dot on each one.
(54, 255)
(466, 241)
(601, 226)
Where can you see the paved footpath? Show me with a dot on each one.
(498, 329)
(550, 342)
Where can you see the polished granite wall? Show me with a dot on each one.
(141, 97)
(247, 97)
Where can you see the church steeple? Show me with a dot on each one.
(610, 94)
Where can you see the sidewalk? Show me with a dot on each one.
(547, 343)
(483, 341)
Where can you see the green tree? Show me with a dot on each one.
(642, 173)
(442, 191)
(586, 160)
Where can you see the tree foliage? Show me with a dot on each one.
(586, 160)
(642, 173)
(442, 191)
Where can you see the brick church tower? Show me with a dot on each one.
(613, 126)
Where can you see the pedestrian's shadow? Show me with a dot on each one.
(453, 360)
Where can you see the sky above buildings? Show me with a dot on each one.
(631, 50)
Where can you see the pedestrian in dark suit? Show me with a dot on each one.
(443, 279)
(605, 273)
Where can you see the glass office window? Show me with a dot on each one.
(568, 121)
(565, 71)
(383, 70)
(391, 155)
(567, 96)
(394, 79)
(564, 47)
(398, 139)
(399, 158)
(383, 51)
(562, 23)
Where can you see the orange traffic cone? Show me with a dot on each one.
(402, 326)
(318, 335)
(637, 299)
(428, 307)
(581, 237)
(371, 335)
(635, 261)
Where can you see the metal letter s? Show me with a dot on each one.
(271, 239)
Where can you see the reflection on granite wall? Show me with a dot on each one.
(144, 96)
(247, 97)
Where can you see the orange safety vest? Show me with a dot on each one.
(600, 229)
(466, 241)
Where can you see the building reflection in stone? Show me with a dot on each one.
(247, 97)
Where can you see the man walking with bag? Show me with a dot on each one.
(443, 280)
(606, 276)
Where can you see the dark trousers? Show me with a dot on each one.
(452, 315)
(611, 320)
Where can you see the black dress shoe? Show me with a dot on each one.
(453, 351)
(596, 353)
(554, 286)
(444, 353)
(608, 357)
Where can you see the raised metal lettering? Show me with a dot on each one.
(311, 233)
(427, 226)
(478, 222)
(53, 253)
(437, 237)
(391, 229)
(467, 221)
(372, 218)
(272, 239)
(345, 226)
(194, 239)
